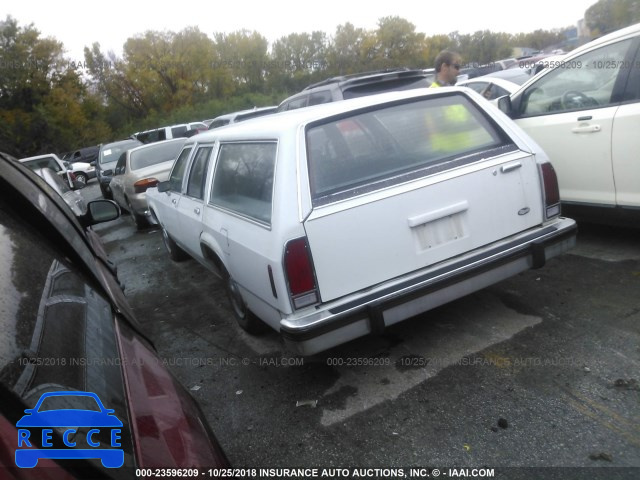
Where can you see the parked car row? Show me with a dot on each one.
(137, 170)
(239, 116)
(173, 131)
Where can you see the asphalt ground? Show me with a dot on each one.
(538, 371)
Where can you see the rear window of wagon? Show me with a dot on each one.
(370, 150)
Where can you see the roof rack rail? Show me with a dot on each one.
(342, 78)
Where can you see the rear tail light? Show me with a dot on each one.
(141, 185)
(300, 277)
(72, 176)
(551, 190)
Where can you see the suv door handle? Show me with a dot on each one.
(196, 211)
(586, 129)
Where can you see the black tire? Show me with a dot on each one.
(247, 320)
(175, 252)
(141, 222)
(106, 192)
(81, 177)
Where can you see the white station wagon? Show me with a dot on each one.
(332, 222)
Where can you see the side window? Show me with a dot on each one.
(477, 86)
(243, 179)
(177, 173)
(177, 132)
(317, 98)
(297, 103)
(197, 176)
(584, 82)
(52, 164)
(119, 170)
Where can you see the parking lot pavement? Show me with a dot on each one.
(540, 370)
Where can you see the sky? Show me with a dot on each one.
(79, 24)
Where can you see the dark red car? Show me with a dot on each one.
(66, 326)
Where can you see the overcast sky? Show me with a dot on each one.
(79, 24)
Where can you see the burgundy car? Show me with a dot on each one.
(66, 326)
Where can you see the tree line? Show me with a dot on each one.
(49, 103)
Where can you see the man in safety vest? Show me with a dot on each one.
(449, 134)
(447, 68)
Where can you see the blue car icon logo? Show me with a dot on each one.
(88, 430)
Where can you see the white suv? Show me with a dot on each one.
(585, 113)
(332, 222)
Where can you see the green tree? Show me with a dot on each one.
(344, 50)
(297, 60)
(608, 15)
(397, 43)
(44, 105)
(243, 56)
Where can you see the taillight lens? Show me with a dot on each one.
(551, 190)
(299, 269)
(72, 176)
(141, 185)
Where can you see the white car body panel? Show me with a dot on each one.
(421, 224)
(593, 149)
(581, 150)
(625, 148)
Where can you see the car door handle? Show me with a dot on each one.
(586, 129)
(196, 211)
(511, 167)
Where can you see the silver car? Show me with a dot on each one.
(138, 169)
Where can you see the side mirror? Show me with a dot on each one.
(164, 186)
(504, 104)
(99, 211)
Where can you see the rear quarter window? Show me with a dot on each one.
(155, 154)
(368, 151)
(243, 179)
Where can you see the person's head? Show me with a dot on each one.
(448, 66)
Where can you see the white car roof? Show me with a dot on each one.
(273, 125)
(40, 156)
(501, 82)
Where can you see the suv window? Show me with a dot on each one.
(243, 179)
(296, 103)
(372, 150)
(386, 86)
(323, 96)
(584, 82)
(197, 178)
(47, 162)
(178, 131)
(177, 173)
